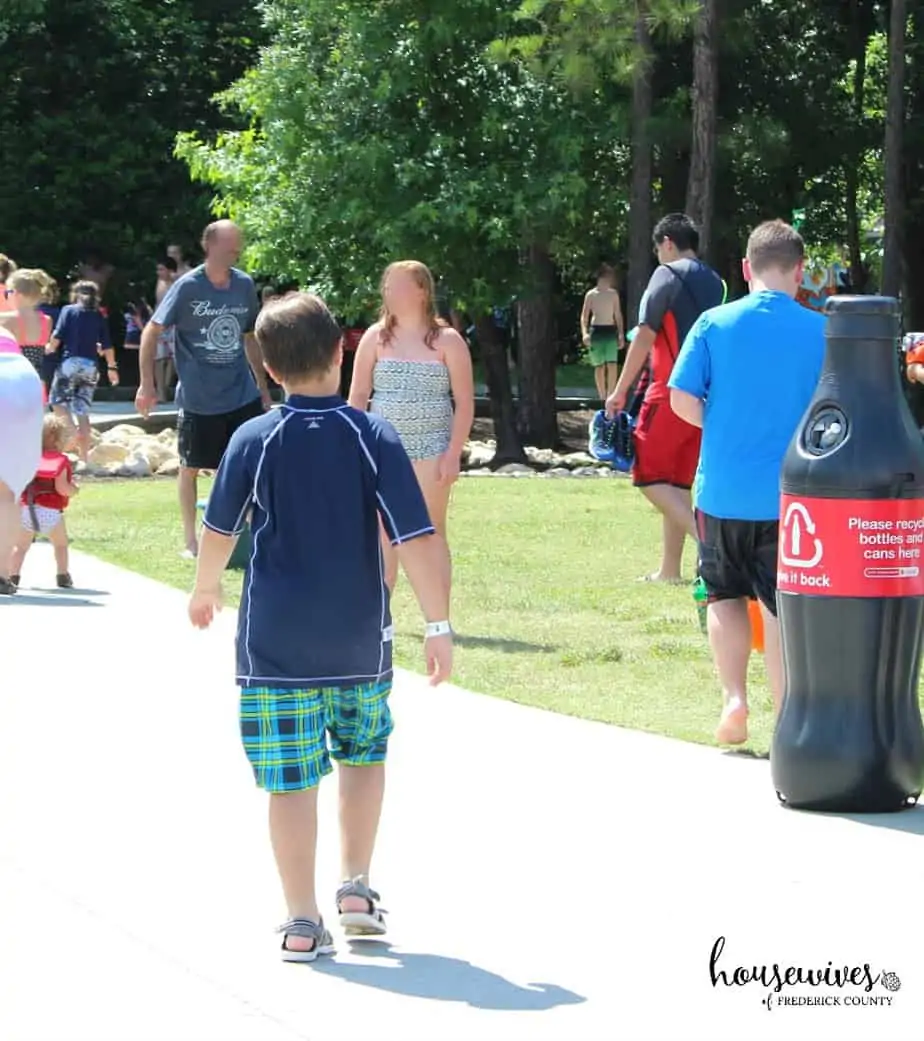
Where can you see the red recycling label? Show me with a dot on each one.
(851, 547)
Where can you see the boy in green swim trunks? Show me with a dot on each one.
(314, 645)
(602, 330)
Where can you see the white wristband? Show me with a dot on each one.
(438, 629)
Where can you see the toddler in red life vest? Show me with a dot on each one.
(45, 500)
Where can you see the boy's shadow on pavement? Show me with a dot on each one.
(48, 598)
(445, 979)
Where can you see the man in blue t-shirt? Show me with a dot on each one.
(314, 641)
(212, 310)
(746, 374)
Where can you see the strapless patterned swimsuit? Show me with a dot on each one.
(414, 397)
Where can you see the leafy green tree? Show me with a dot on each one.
(607, 48)
(894, 151)
(704, 111)
(94, 94)
(378, 132)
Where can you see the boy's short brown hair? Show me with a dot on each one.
(55, 434)
(775, 244)
(298, 336)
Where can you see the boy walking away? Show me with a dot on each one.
(45, 500)
(314, 643)
(746, 374)
(602, 330)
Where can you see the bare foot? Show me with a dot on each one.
(671, 580)
(733, 726)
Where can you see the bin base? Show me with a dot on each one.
(848, 805)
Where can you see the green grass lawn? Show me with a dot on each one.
(568, 376)
(547, 601)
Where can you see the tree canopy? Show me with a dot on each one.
(94, 93)
(510, 144)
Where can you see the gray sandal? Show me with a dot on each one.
(307, 930)
(361, 925)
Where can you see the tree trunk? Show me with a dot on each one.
(859, 39)
(701, 183)
(497, 375)
(895, 117)
(538, 416)
(640, 198)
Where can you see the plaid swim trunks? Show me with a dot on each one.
(290, 736)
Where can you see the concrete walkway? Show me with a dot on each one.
(548, 878)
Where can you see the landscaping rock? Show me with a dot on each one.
(513, 469)
(575, 460)
(127, 451)
(125, 434)
(107, 453)
(136, 465)
(543, 457)
(156, 454)
(479, 454)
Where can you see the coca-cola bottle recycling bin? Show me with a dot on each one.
(851, 578)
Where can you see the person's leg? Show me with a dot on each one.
(730, 640)
(160, 372)
(362, 789)
(654, 474)
(726, 549)
(83, 436)
(773, 658)
(676, 509)
(83, 388)
(10, 529)
(436, 495)
(201, 440)
(667, 458)
(21, 546)
(611, 377)
(59, 541)
(600, 381)
(293, 820)
(359, 722)
(283, 736)
(63, 413)
(767, 548)
(188, 490)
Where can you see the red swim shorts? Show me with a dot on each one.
(666, 447)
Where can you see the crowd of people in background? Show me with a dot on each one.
(413, 368)
(375, 472)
